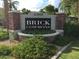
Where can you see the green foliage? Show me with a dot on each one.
(49, 10)
(42, 11)
(25, 11)
(56, 9)
(13, 5)
(66, 6)
(39, 31)
(71, 29)
(62, 40)
(3, 35)
(34, 48)
(69, 6)
(4, 50)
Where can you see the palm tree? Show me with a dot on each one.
(65, 6)
(8, 5)
(13, 5)
(68, 6)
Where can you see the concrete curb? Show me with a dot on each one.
(61, 50)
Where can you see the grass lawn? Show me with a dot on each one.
(6, 57)
(72, 52)
(9, 44)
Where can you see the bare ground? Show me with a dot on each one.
(9, 42)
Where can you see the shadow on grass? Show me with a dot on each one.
(73, 48)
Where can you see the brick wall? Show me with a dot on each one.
(14, 21)
(60, 20)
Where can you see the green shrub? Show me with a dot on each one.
(3, 35)
(34, 48)
(62, 40)
(71, 29)
(4, 50)
(39, 31)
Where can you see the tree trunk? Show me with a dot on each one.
(6, 9)
(10, 5)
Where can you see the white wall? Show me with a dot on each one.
(34, 15)
(53, 20)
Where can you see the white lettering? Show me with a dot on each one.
(33, 22)
(29, 22)
(47, 23)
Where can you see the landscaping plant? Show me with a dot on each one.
(34, 48)
(39, 31)
(71, 29)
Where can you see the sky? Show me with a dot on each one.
(35, 5)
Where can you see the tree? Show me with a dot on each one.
(49, 10)
(56, 10)
(25, 11)
(10, 5)
(68, 6)
(65, 6)
(42, 11)
(13, 5)
(7, 4)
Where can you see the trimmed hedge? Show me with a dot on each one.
(34, 48)
(39, 31)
